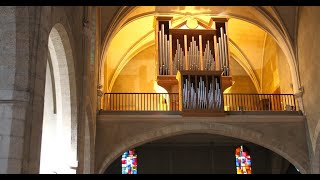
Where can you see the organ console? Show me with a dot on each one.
(194, 55)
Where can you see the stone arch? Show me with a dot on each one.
(186, 128)
(265, 19)
(240, 57)
(62, 62)
(88, 163)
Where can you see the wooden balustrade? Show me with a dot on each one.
(170, 102)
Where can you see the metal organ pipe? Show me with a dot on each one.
(193, 55)
(165, 54)
(223, 52)
(193, 61)
(220, 54)
(222, 49)
(162, 48)
(226, 55)
(208, 59)
(160, 53)
(189, 56)
(178, 59)
(168, 57)
(198, 97)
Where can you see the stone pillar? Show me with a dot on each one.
(14, 94)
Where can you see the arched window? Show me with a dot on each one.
(129, 162)
(243, 160)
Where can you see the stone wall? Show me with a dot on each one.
(308, 56)
(22, 80)
(139, 74)
(285, 135)
(241, 80)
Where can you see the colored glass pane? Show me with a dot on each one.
(129, 162)
(243, 161)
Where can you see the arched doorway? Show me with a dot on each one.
(59, 132)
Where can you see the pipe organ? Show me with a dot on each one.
(203, 48)
(196, 54)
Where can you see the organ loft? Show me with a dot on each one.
(193, 60)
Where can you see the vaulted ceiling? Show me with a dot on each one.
(135, 32)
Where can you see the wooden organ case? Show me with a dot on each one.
(193, 60)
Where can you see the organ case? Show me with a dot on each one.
(200, 53)
(204, 48)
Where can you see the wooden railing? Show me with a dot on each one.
(141, 102)
(260, 102)
(170, 102)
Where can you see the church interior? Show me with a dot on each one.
(159, 90)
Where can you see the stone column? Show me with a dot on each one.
(14, 94)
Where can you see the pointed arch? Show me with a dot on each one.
(62, 124)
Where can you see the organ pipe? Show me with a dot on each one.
(197, 97)
(195, 55)
(160, 53)
(208, 57)
(223, 52)
(226, 54)
(178, 60)
(164, 52)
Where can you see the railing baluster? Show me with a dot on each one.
(233, 99)
(134, 101)
(140, 102)
(292, 102)
(233, 102)
(251, 103)
(286, 102)
(116, 102)
(296, 105)
(245, 102)
(121, 102)
(279, 102)
(170, 102)
(148, 105)
(153, 102)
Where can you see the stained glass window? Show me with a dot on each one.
(129, 162)
(243, 160)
